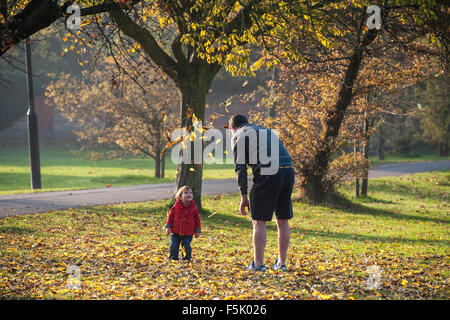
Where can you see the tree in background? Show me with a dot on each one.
(190, 40)
(435, 118)
(112, 109)
(177, 36)
(330, 64)
(180, 37)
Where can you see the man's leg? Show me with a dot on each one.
(259, 241)
(283, 240)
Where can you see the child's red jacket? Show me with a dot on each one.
(184, 221)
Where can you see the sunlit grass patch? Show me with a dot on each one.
(121, 250)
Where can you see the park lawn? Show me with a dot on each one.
(418, 155)
(61, 170)
(121, 251)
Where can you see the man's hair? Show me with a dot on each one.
(180, 192)
(238, 120)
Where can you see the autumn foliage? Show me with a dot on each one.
(110, 109)
(390, 246)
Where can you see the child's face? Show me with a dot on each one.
(187, 195)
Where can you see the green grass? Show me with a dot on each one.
(402, 227)
(415, 156)
(61, 170)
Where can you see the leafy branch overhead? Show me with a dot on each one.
(325, 43)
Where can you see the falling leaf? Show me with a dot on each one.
(194, 120)
(212, 214)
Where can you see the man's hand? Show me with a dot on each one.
(168, 231)
(244, 203)
(197, 234)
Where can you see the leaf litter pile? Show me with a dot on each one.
(120, 252)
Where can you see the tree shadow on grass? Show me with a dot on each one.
(220, 220)
(364, 237)
(217, 219)
(15, 230)
(21, 181)
(403, 190)
(160, 211)
(224, 220)
(346, 205)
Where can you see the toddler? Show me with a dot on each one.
(182, 223)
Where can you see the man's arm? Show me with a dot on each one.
(239, 167)
(241, 172)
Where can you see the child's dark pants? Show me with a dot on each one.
(175, 241)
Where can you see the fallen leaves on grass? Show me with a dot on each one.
(122, 254)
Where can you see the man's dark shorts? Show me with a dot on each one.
(272, 193)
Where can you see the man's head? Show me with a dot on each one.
(237, 121)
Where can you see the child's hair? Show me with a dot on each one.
(180, 191)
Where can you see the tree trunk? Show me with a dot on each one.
(157, 167)
(357, 179)
(381, 144)
(442, 150)
(314, 175)
(313, 186)
(193, 96)
(402, 147)
(163, 165)
(366, 144)
(157, 146)
(357, 187)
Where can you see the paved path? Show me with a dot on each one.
(46, 201)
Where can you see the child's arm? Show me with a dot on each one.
(198, 225)
(169, 221)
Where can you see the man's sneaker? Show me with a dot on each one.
(276, 267)
(256, 268)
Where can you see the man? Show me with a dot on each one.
(273, 181)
